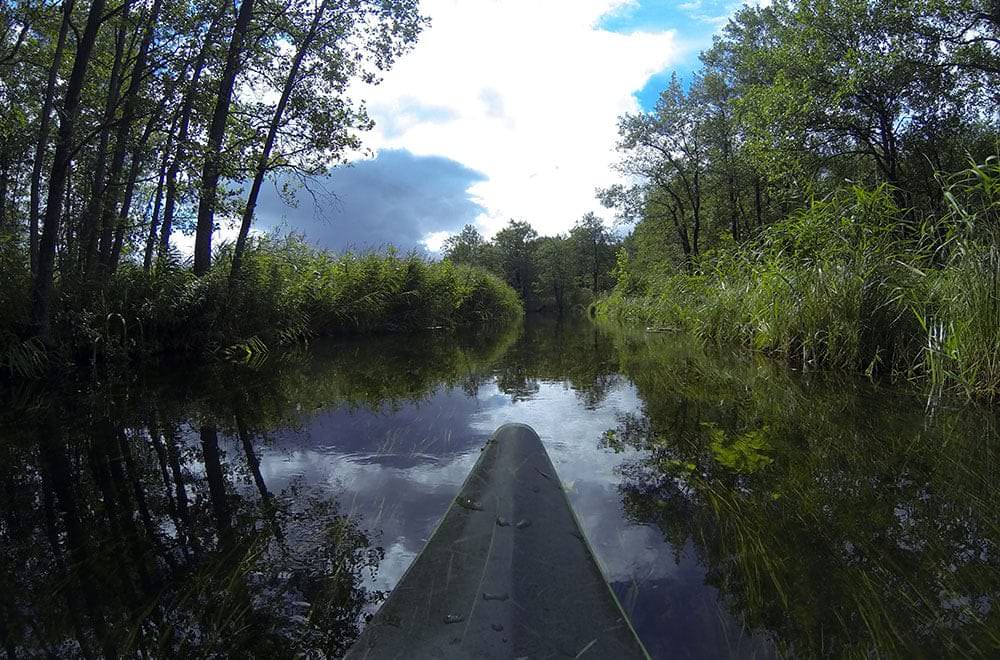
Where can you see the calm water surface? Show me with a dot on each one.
(738, 508)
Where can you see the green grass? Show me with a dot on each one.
(851, 282)
(287, 293)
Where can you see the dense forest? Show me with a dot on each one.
(127, 121)
(825, 188)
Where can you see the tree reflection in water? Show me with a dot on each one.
(129, 542)
(839, 521)
(136, 519)
(803, 514)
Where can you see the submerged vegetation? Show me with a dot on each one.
(826, 190)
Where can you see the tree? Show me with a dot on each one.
(557, 268)
(667, 150)
(42, 287)
(467, 247)
(212, 168)
(839, 79)
(334, 46)
(514, 246)
(593, 251)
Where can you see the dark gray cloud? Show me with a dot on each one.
(395, 198)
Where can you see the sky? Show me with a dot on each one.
(504, 109)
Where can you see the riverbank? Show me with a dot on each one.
(850, 282)
(287, 292)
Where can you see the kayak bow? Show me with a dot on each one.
(507, 573)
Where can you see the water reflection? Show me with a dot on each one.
(738, 509)
(837, 516)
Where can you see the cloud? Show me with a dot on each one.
(528, 93)
(394, 198)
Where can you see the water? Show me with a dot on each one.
(738, 508)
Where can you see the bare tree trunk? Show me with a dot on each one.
(41, 293)
(44, 127)
(133, 176)
(4, 188)
(211, 170)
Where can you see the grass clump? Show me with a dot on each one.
(851, 281)
(287, 292)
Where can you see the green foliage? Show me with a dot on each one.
(840, 284)
(549, 273)
(832, 514)
(287, 293)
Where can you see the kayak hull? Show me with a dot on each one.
(508, 573)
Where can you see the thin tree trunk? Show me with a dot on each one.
(4, 187)
(154, 220)
(131, 100)
(272, 134)
(90, 223)
(44, 127)
(133, 176)
(757, 205)
(41, 294)
(187, 109)
(211, 171)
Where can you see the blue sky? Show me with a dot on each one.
(695, 22)
(504, 109)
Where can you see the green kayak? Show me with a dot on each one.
(508, 573)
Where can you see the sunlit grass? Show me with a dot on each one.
(853, 282)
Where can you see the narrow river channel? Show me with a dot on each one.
(738, 508)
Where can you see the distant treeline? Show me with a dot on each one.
(825, 188)
(550, 273)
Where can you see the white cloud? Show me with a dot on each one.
(529, 93)
(434, 241)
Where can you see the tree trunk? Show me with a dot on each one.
(211, 169)
(4, 188)
(154, 220)
(44, 126)
(90, 223)
(182, 135)
(133, 176)
(109, 213)
(272, 133)
(758, 207)
(41, 293)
